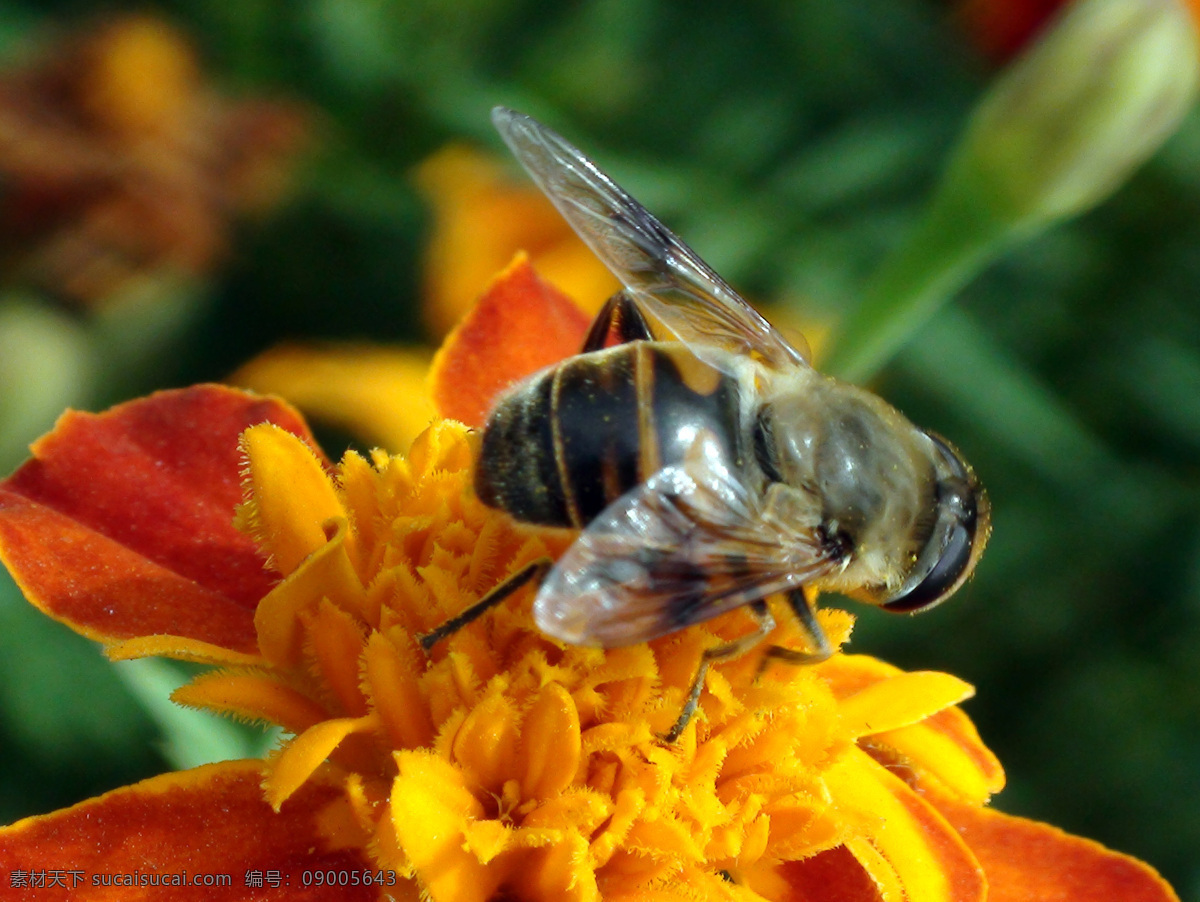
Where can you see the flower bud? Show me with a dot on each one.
(1059, 131)
(1073, 117)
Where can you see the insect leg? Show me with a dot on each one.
(821, 649)
(619, 312)
(534, 572)
(739, 646)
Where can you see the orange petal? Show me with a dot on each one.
(550, 743)
(486, 742)
(205, 822)
(1025, 860)
(901, 837)
(122, 523)
(256, 695)
(520, 325)
(180, 649)
(393, 676)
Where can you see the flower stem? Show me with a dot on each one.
(957, 237)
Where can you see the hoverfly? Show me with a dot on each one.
(705, 463)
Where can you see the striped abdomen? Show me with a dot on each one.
(566, 443)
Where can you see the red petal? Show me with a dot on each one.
(1026, 860)
(832, 876)
(205, 822)
(122, 523)
(1000, 28)
(520, 325)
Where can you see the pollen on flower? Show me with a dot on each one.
(508, 765)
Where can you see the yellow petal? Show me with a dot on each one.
(292, 497)
(904, 699)
(948, 747)
(901, 837)
(481, 219)
(583, 809)
(301, 757)
(252, 695)
(179, 648)
(550, 743)
(326, 573)
(630, 804)
(560, 871)
(430, 807)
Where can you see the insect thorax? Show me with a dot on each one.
(865, 467)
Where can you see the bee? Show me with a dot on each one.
(705, 463)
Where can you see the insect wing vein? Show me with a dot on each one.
(662, 273)
(686, 545)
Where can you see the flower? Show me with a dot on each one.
(505, 765)
(1070, 120)
(378, 392)
(121, 165)
(481, 218)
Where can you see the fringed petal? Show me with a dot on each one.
(327, 573)
(431, 807)
(290, 496)
(252, 694)
(180, 648)
(299, 759)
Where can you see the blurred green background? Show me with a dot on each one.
(792, 143)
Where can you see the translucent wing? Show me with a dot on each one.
(686, 545)
(665, 276)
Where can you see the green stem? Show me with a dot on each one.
(960, 233)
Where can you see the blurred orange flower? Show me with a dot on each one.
(481, 217)
(504, 765)
(121, 164)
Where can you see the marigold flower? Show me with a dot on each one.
(121, 164)
(481, 217)
(504, 765)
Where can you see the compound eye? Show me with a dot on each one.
(942, 580)
(956, 541)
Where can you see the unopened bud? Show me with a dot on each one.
(1059, 131)
(1072, 118)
